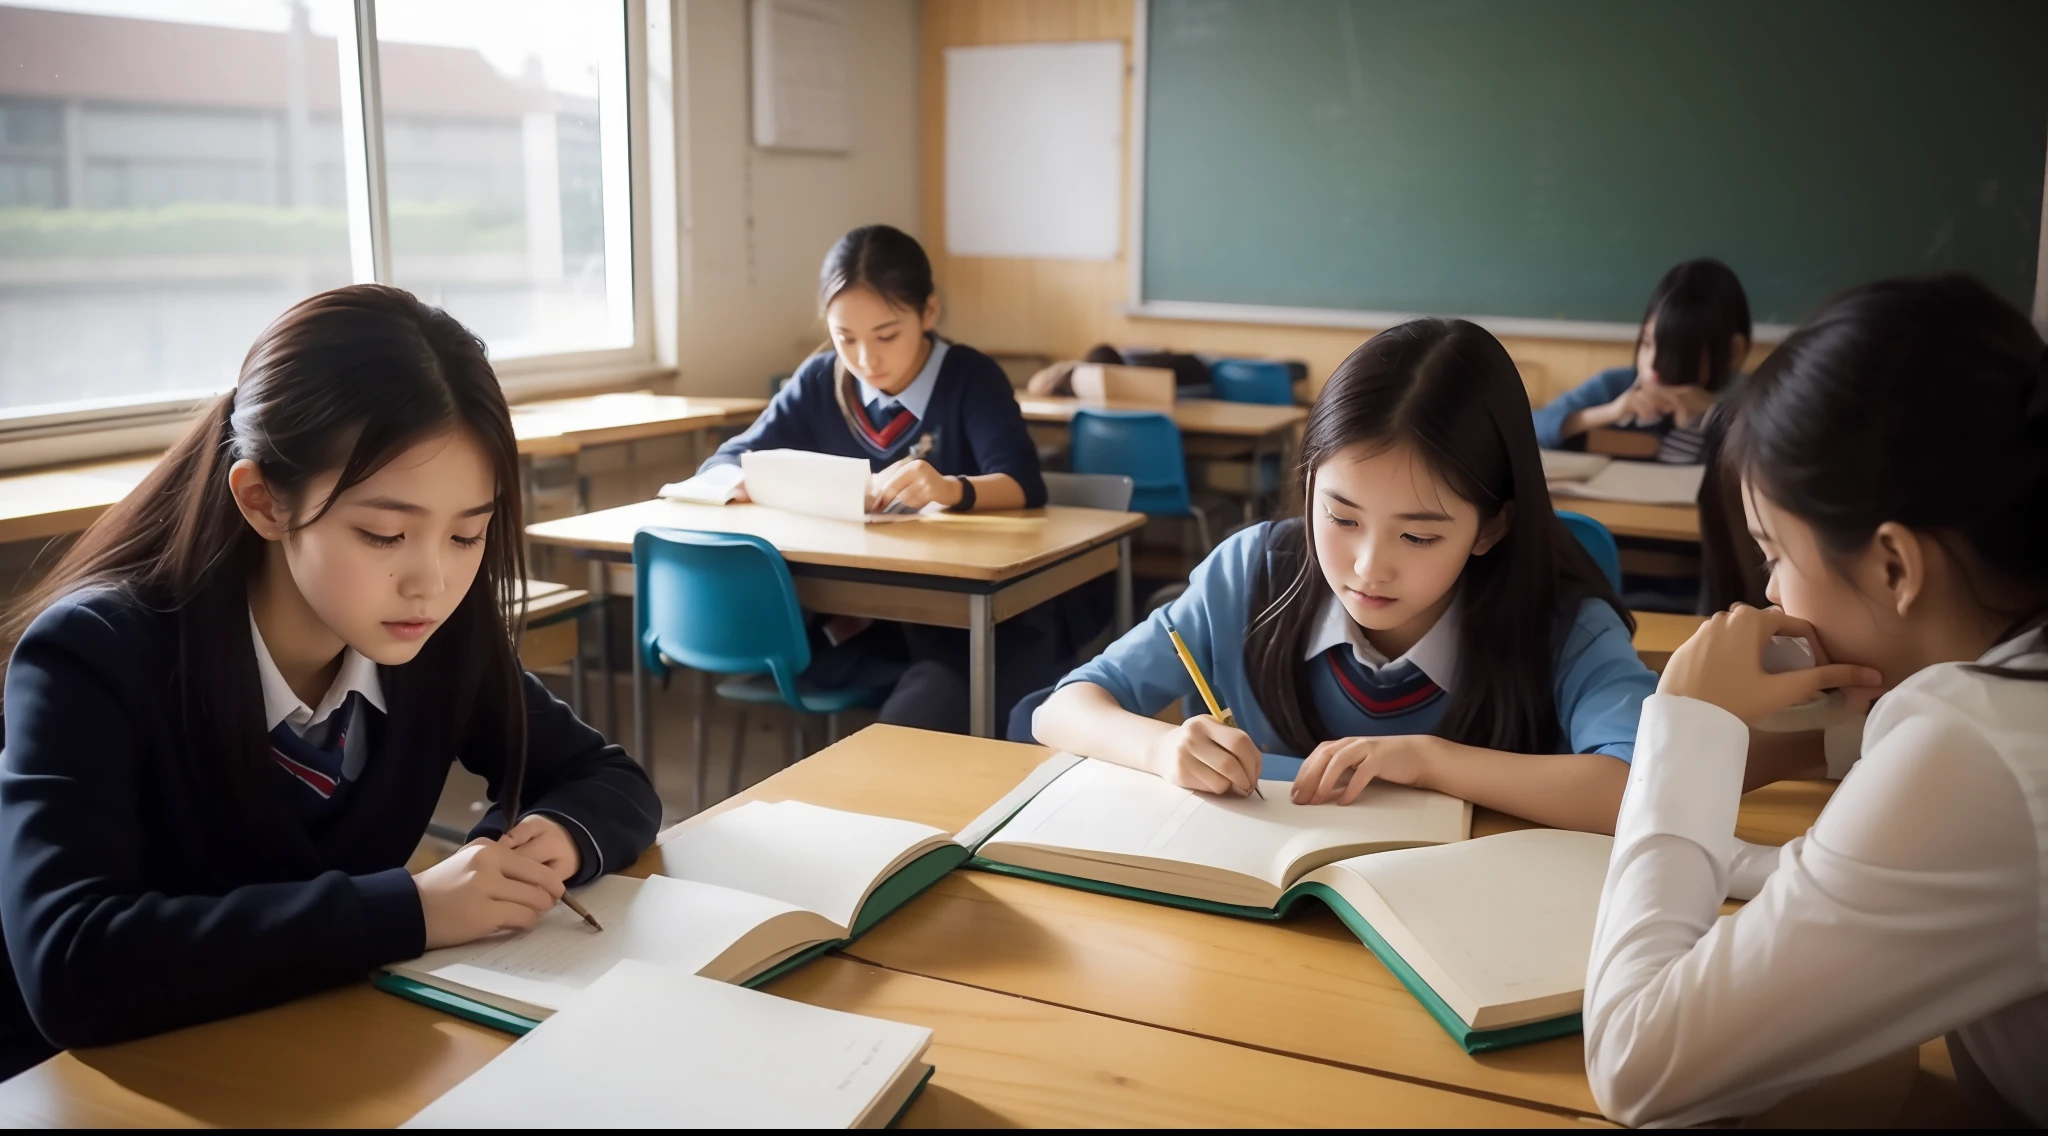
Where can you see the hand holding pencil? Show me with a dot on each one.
(1207, 753)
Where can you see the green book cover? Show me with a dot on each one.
(1471, 1040)
(899, 889)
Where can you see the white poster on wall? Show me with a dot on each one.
(1035, 150)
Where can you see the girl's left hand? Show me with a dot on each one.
(1686, 405)
(1400, 759)
(543, 839)
(912, 484)
(1723, 663)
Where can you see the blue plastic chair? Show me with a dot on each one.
(1598, 541)
(724, 603)
(1252, 380)
(1144, 447)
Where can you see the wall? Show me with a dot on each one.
(1062, 307)
(756, 223)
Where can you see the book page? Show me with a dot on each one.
(1501, 927)
(648, 1047)
(816, 485)
(675, 923)
(1571, 465)
(715, 486)
(820, 859)
(1643, 482)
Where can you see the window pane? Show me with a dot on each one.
(505, 162)
(170, 180)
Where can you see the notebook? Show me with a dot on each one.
(1491, 935)
(816, 485)
(1641, 482)
(742, 897)
(1566, 465)
(715, 486)
(651, 1047)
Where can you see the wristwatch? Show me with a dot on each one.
(966, 502)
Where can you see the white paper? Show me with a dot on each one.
(799, 481)
(1570, 465)
(1034, 150)
(715, 486)
(1641, 482)
(653, 1048)
(819, 859)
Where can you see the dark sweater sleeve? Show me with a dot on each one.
(101, 958)
(785, 425)
(996, 433)
(577, 778)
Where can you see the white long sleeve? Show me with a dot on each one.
(1913, 907)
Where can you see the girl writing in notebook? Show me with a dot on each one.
(939, 425)
(235, 700)
(1427, 621)
(1894, 454)
(1695, 334)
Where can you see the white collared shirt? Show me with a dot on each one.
(1917, 904)
(1435, 654)
(917, 397)
(280, 704)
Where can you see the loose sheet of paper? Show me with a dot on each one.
(823, 860)
(816, 485)
(649, 1047)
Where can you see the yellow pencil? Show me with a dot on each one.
(1216, 709)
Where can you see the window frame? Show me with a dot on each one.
(53, 432)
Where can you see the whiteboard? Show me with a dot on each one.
(1034, 150)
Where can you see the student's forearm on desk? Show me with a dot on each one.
(1082, 718)
(1567, 790)
(997, 491)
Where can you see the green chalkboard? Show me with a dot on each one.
(1549, 159)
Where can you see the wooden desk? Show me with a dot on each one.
(558, 427)
(1241, 420)
(945, 575)
(1649, 522)
(1658, 633)
(68, 498)
(551, 637)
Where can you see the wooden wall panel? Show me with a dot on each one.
(1062, 307)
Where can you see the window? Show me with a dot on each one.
(175, 173)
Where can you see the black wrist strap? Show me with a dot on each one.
(966, 503)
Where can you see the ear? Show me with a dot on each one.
(930, 319)
(1896, 565)
(1494, 529)
(264, 512)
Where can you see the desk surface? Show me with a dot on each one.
(960, 551)
(1658, 633)
(1652, 522)
(568, 425)
(66, 498)
(1192, 415)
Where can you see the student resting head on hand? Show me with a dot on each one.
(233, 704)
(1428, 621)
(1894, 462)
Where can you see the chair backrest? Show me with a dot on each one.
(1140, 445)
(1598, 541)
(1252, 380)
(717, 602)
(1089, 490)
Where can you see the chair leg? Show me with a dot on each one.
(1202, 528)
(739, 752)
(700, 735)
(796, 740)
(831, 728)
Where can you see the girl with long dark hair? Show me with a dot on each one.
(1894, 462)
(1428, 620)
(232, 705)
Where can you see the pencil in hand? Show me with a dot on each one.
(1216, 709)
(569, 901)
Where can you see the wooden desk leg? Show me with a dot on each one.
(1125, 602)
(601, 587)
(643, 727)
(981, 666)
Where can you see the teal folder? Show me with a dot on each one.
(1471, 1040)
(893, 893)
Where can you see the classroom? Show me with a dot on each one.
(1000, 563)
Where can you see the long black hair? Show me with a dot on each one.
(889, 262)
(345, 380)
(1918, 401)
(1697, 310)
(1447, 388)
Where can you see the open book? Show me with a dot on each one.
(650, 1047)
(1641, 482)
(742, 896)
(1109, 825)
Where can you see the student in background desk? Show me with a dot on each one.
(234, 710)
(1429, 622)
(1694, 336)
(1894, 455)
(938, 423)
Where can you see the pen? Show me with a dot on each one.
(1216, 709)
(569, 901)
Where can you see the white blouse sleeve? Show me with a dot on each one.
(1908, 910)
